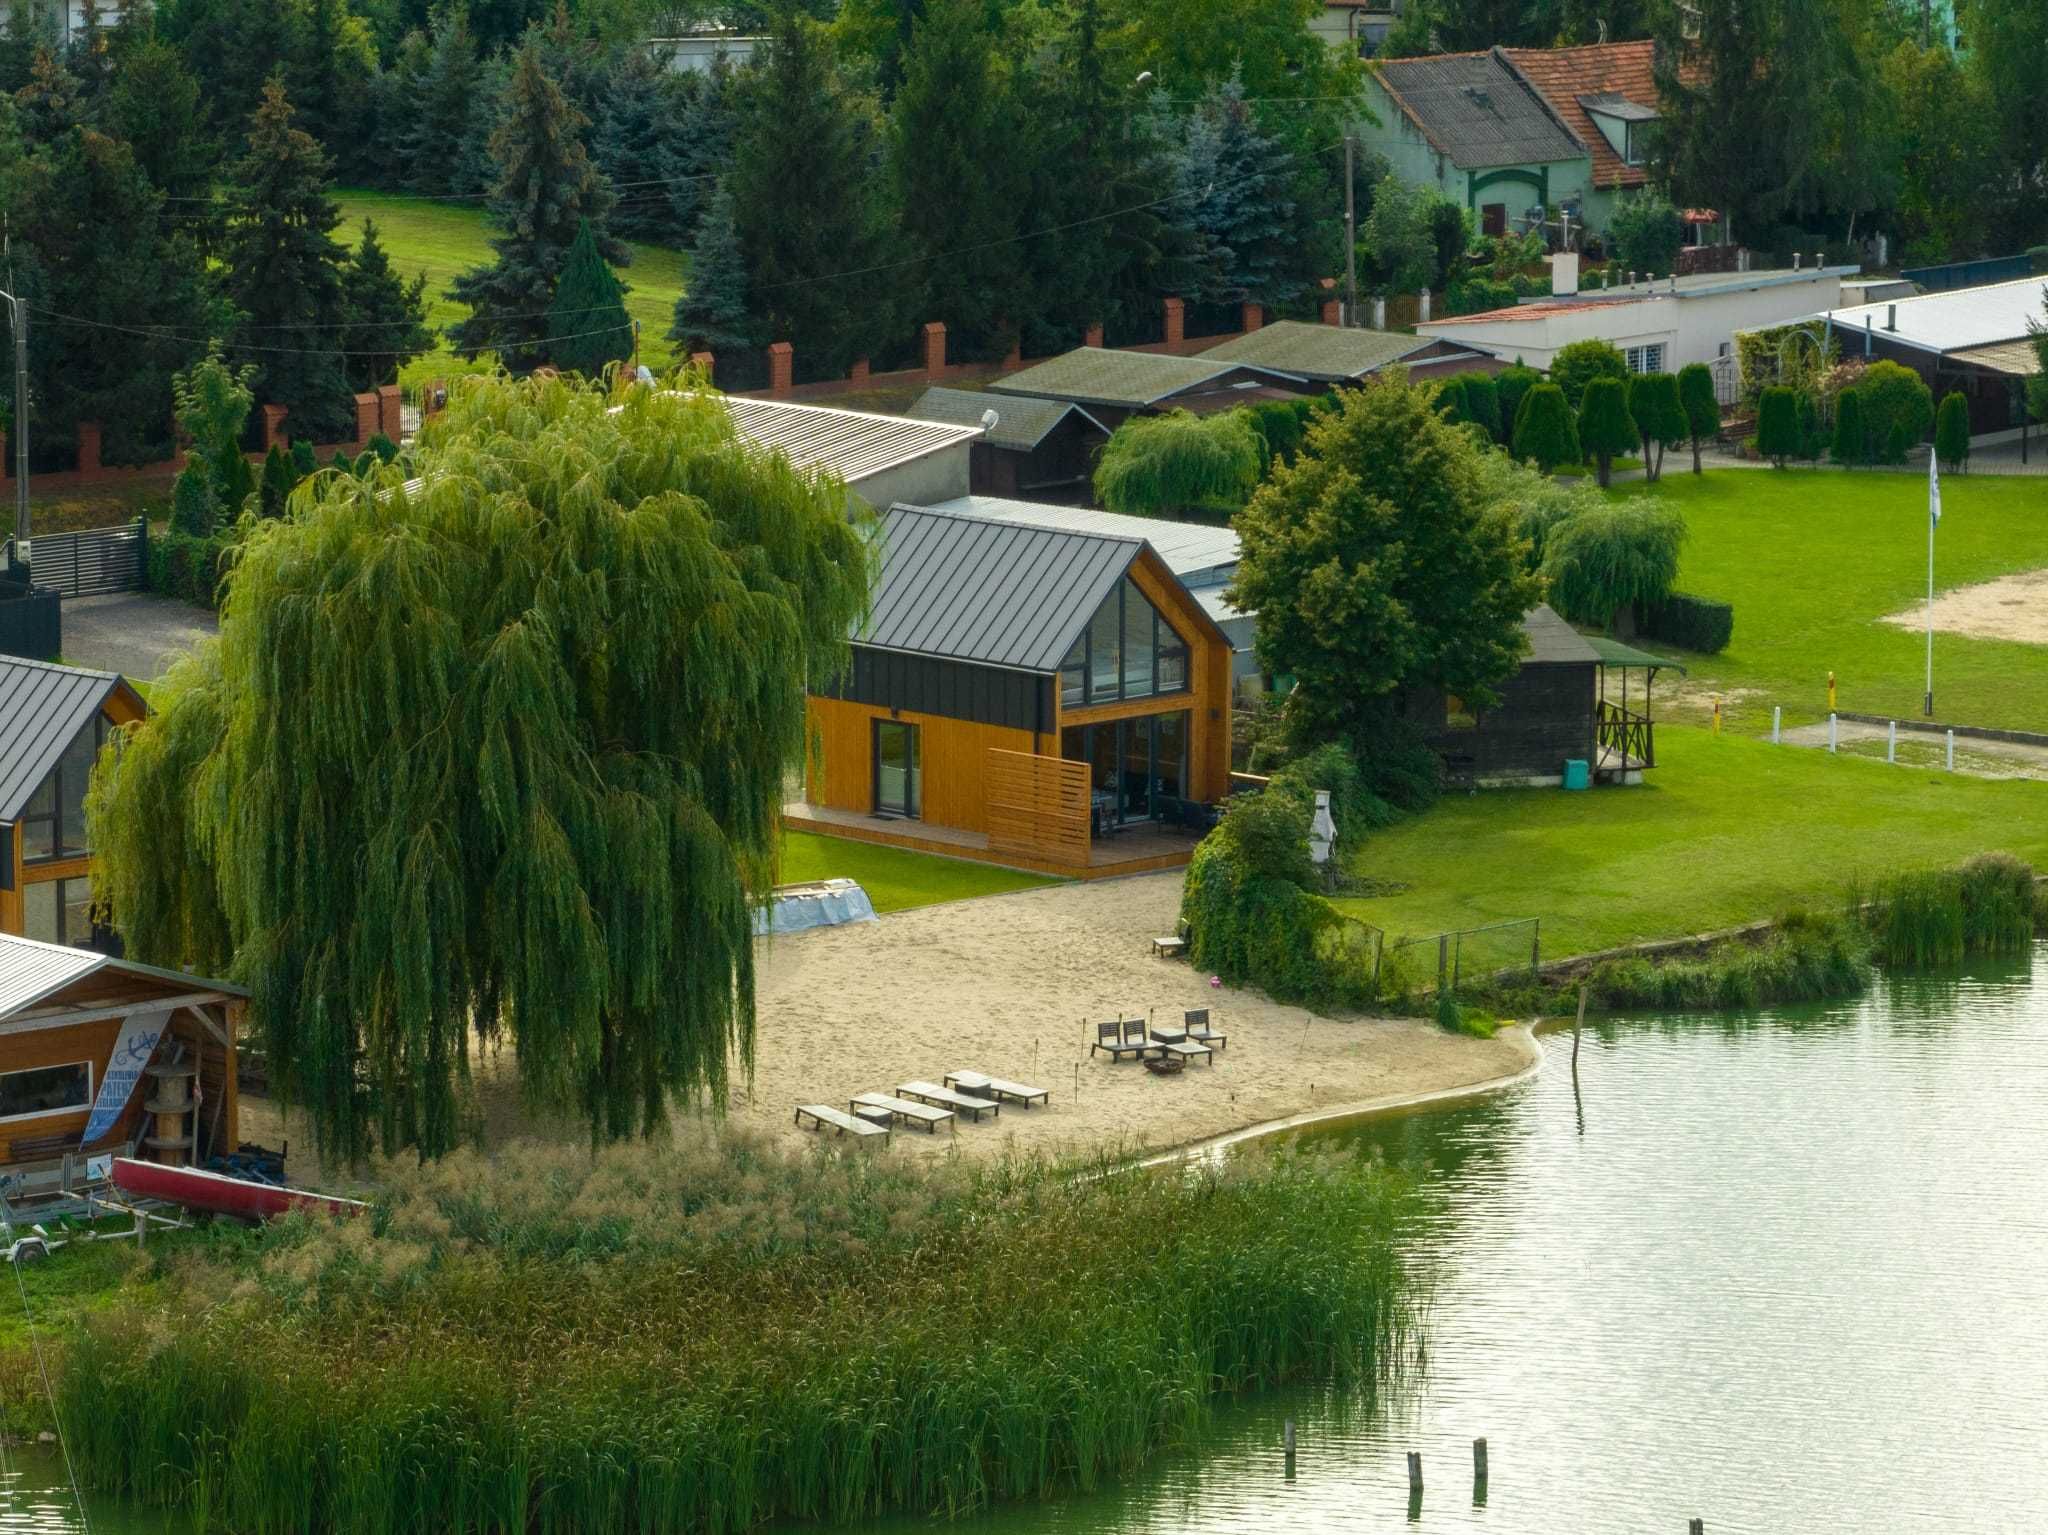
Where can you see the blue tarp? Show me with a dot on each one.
(828, 903)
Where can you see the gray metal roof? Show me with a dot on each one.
(31, 970)
(1476, 109)
(1614, 104)
(1200, 553)
(1552, 641)
(853, 444)
(1022, 423)
(1001, 593)
(1327, 352)
(41, 708)
(1100, 376)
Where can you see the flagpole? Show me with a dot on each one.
(1933, 516)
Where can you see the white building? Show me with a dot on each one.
(1660, 325)
(882, 459)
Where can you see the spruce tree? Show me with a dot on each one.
(283, 272)
(153, 104)
(1605, 426)
(387, 316)
(822, 261)
(698, 146)
(712, 315)
(444, 99)
(640, 115)
(90, 60)
(331, 47)
(49, 106)
(546, 189)
(588, 322)
(1238, 205)
(32, 25)
(475, 170)
(952, 133)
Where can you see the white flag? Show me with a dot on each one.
(1933, 488)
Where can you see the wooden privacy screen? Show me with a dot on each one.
(1038, 806)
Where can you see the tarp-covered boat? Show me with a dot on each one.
(197, 1189)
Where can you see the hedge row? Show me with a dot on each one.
(1689, 622)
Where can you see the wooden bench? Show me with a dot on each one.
(922, 1115)
(1124, 1037)
(997, 1088)
(947, 1098)
(823, 1115)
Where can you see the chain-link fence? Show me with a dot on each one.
(1468, 956)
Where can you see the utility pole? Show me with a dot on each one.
(19, 311)
(1350, 238)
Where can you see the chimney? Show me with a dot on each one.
(1891, 317)
(781, 367)
(1820, 259)
(1631, 277)
(1379, 311)
(1422, 316)
(1564, 273)
(1250, 317)
(935, 348)
(705, 363)
(1092, 336)
(1674, 282)
(1173, 320)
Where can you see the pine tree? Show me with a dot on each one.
(546, 189)
(639, 117)
(330, 48)
(90, 61)
(1702, 407)
(712, 315)
(819, 252)
(32, 25)
(951, 133)
(588, 322)
(387, 316)
(283, 272)
(1545, 433)
(153, 104)
(48, 107)
(1605, 426)
(444, 100)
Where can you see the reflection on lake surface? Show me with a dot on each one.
(1791, 1276)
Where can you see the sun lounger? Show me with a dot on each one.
(1197, 1021)
(947, 1098)
(823, 1116)
(922, 1115)
(995, 1087)
(1117, 1039)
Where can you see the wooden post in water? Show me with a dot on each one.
(1696, 1527)
(1479, 1473)
(1287, 1446)
(1578, 1023)
(1414, 1484)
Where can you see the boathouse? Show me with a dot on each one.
(102, 1056)
(1048, 698)
(53, 722)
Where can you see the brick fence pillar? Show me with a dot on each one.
(858, 373)
(391, 412)
(781, 367)
(1093, 335)
(705, 363)
(273, 425)
(366, 419)
(1333, 307)
(935, 348)
(88, 447)
(1014, 358)
(1250, 316)
(1174, 316)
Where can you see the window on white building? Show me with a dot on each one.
(1646, 359)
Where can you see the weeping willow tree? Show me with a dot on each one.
(495, 755)
(1180, 465)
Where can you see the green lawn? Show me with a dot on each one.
(1725, 829)
(894, 878)
(445, 240)
(1812, 559)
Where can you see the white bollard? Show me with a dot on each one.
(1891, 741)
(1831, 732)
(1777, 714)
(1951, 751)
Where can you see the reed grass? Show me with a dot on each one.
(1989, 906)
(713, 1334)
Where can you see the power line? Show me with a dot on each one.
(157, 334)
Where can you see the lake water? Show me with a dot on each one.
(1784, 1273)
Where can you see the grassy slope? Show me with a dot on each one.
(1725, 829)
(894, 878)
(445, 240)
(1812, 559)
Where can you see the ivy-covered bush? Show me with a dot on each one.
(1255, 929)
(1691, 623)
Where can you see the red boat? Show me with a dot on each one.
(197, 1189)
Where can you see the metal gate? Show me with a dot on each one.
(93, 562)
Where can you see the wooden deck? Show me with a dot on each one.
(1137, 849)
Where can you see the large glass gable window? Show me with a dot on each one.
(53, 826)
(1127, 651)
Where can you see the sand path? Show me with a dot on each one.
(2010, 608)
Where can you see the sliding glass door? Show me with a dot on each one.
(1133, 765)
(899, 774)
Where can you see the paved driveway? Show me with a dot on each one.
(136, 634)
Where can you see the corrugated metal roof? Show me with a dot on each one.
(41, 708)
(1953, 321)
(1614, 653)
(1476, 109)
(853, 444)
(1552, 641)
(977, 589)
(1099, 376)
(30, 971)
(1200, 553)
(2017, 358)
(1328, 352)
(1022, 422)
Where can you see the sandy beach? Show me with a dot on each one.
(1012, 985)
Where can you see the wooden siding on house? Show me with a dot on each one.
(1544, 717)
(952, 757)
(118, 709)
(1038, 807)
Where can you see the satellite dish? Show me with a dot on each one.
(988, 420)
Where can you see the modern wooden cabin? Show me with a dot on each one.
(1042, 697)
(53, 722)
(101, 1055)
